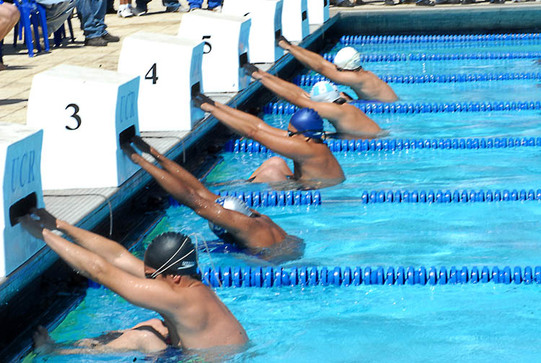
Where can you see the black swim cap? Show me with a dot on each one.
(171, 253)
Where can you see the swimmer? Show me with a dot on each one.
(349, 121)
(346, 70)
(166, 282)
(229, 217)
(314, 164)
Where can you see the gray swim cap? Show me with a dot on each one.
(231, 203)
(171, 253)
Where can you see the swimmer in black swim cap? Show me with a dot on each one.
(171, 253)
(346, 70)
(248, 230)
(349, 121)
(166, 282)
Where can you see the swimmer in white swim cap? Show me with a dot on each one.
(231, 220)
(346, 70)
(325, 98)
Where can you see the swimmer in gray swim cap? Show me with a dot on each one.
(325, 98)
(346, 70)
(239, 225)
(167, 282)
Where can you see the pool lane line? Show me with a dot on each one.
(314, 197)
(285, 108)
(425, 57)
(360, 145)
(506, 38)
(310, 80)
(263, 276)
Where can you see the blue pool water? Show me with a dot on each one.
(482, 322)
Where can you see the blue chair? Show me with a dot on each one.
(32, 14)
(61, 34)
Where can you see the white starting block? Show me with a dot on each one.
(20, 154)
(266, 26)
(318, 11)
(295, 26)
(85, 114)
(225, 51)
(170, 72)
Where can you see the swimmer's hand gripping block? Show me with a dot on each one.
(85, 114)
(20, 154)
(225, 49)
(170, 72)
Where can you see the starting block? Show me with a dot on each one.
(225, 51)
(170, 72)
(295, 26)
(20, 154)
(318, 11)
(86, 114)
(266, 16)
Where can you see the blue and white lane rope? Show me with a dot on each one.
(355, 276)
(403, 57)
(527, 38)
(310, 80)
(360, 145)
(271, 198)
(285, 108)
(313, 197)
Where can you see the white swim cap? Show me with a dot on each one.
(324, 91)
(231, 203)
(347, 58)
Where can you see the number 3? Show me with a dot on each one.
(74, 115)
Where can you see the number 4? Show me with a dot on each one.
(152, 74)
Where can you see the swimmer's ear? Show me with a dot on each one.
(141, 144)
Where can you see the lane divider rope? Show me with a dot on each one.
(402, 57)
(355, 276)
(271, 198)
(285, 108)
(360, 145)
(453, 38)
(310, 80)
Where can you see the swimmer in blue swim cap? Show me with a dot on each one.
(167, 282)
(346, 70)
(314, 164)
(349, 121)
(230, 219)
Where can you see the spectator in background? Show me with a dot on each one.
(171, 6)
(56, 12)
(93, 23)
(9, 16)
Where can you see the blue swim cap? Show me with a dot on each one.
(308, 122)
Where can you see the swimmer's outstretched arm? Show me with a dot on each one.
(308, 58)
(176, 180)
(256, 129)
(282, 88)
(170, 166)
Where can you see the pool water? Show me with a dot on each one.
(481, 322)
